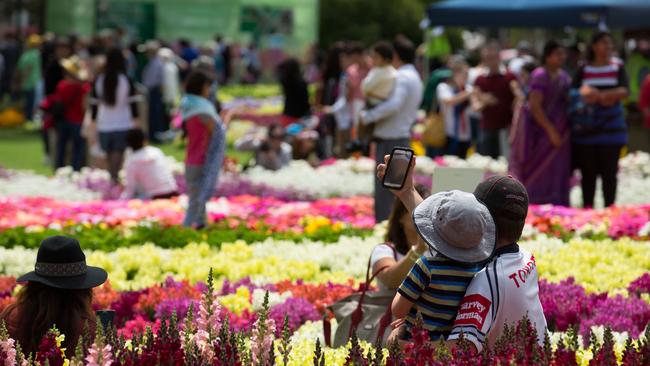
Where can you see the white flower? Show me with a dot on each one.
(274, 298)
(29, 184)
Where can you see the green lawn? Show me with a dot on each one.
(21, 148)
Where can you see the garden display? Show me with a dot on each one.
(253, 287)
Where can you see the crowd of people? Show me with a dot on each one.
(544, 120)
(548, 115)
(100, 99)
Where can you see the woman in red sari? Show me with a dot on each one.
(541, 151)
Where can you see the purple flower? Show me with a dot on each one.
(298, 311)
(641, 285)
(563, 303)
(167, 307)
(622, 314)
(567, 303)
(229, 288)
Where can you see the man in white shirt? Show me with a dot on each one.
(505, 290)
(148, 173)
(393, 118)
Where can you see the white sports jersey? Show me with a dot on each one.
(501, 293)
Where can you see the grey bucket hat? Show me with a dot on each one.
(456, 225)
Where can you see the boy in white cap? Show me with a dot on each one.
(461, 232)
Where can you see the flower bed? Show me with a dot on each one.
(566, 304)
(566, 223)
(253, 218)
(306, 247)
(176, 322)
(272, 213)
(598, 266)
(300, 181)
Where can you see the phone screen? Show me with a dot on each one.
(398, 166)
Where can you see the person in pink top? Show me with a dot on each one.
(356, 72)
(205, 146)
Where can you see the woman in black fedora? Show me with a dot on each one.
(58, 292)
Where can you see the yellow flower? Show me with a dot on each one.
(59, 340)
(599, 266)
(237, 302)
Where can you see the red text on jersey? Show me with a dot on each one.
(473, 310)
(519, 277)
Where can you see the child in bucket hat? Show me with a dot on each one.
(461, 235)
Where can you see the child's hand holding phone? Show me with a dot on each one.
(406, 193)
(400, 173)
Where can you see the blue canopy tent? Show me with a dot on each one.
(540, 13)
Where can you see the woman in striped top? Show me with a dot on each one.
(598, 139)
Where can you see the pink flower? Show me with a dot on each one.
(8, 351)
(262, 341)
(99, 356)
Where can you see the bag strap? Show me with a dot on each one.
(384, 323)
(392, 247)
(357, 315)
(327, 330)
(387, 318)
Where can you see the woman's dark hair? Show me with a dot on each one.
(383, 49)
(404, 49)
(332, 66)
(595, 38)
(196, 82)
(289, 73)
(330, 74)
(354, 48)
(115, 65)
(395, 233)
(529, 67)
(40, 307)
(550, 47)
(135, 139)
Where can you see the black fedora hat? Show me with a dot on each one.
(61, 263)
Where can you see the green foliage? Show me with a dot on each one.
(109, 239)
(285, 342)
(369, 21)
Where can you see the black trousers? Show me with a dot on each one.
(598, 161)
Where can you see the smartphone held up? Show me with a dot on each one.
(398, 167)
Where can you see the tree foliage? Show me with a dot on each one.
(370, 20)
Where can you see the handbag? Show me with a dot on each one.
(367, 314)
(434, 131)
